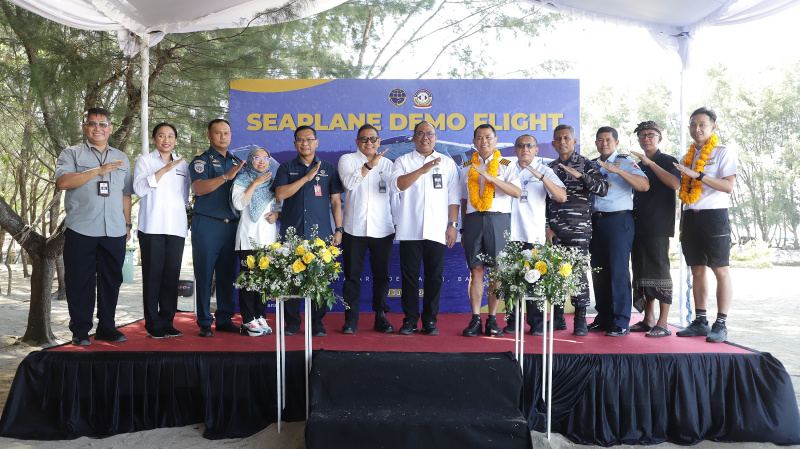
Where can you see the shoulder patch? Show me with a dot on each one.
(505, 161)
(199, 153)
(467, 163)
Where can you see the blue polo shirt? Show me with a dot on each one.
(620, 193)
(304, 209)
(210, 164)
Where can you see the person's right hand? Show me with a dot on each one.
(232, 172)
(549, 235)
(313, 172)
(376, 159)
(261, 179)
(108, 168)
(642, 157)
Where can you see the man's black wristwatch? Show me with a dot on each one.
(700, 176)
(339, 229)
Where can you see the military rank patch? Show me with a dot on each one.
(505, 161)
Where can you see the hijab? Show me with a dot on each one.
(263, 193)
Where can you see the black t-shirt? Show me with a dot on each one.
(654, 210)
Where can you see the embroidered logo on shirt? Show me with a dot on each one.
(199, 166)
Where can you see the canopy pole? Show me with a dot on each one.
(684, 275)
(145, 51)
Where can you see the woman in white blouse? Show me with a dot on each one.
(252, 195)
(161, 179)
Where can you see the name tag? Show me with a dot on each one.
(382, 187)
(524, 197)
(437, 181)
(103, 189)
(317, 190)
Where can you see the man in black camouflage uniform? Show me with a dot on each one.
(570, 222)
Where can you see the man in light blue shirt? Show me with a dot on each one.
(612, 236)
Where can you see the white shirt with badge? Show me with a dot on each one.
(163, 206)
(423, 208)
(721, 162)
(368, 204)
(528, 211)
(505, 172)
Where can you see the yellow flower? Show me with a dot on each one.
(319, 242)
(300, 250)
(308, 257)
(275, 245)
(535, 252)
(527, 265)
(336, 267)
(298, 266)
(541, 267)
(334, 250)
(565, 269)
(251, 262)
(325, 255)
(263, 263)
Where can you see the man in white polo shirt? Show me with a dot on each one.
(427, 215)
(368, 225)
(708, 174)
(528, 211)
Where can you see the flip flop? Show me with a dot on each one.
(664, 332)
(641, 326)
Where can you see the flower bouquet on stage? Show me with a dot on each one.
(294, 268)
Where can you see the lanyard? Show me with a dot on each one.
(105, 156)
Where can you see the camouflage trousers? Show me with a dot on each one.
(580, 242)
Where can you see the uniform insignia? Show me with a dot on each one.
(322, 172)
(617, 163)
(622, 155)
(467, 163)
(199, 166)
(505, 161)
(199, 153)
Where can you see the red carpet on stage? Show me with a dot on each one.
(449, 340)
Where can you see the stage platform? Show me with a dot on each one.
(606, 390)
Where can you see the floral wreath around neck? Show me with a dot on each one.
(482, 201)
(691, 188)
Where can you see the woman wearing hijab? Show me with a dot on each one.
(252, 195)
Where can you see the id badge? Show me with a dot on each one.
(382, 187)
(103, 188)
(524, 197)
(317, 190)
(437, 181)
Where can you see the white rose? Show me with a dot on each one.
(527, 253)
(532, 276)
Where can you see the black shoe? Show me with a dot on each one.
(111, 336)
(579, 327)
(172, 332)
(492, 329)
(718, 334)
(349, 328)
(382, 324)
(291, 329)
(205, 331)
(474, 328)
(318, 330)
(596, 327)
(511, 328)
(430, 329)
(536, 330)
(227, 327)
(157, 334)
(81, 340)
(616, 331)
(560, 322)
(696, 329)
(407, 328)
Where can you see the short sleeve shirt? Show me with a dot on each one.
(88, 213)
(505, 172)
(305, 208)
(207, 165)
(654, 210)
(721, 162)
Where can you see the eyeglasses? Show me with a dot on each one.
(101, 125)
(429, 135)
(302, 141)
(372, 139)
(649, 136)
(261, 159)
(526, 145)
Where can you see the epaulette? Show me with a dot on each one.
(622, 155)
(505, 161)
(200, 153)
(467, 163)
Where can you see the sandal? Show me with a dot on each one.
(641, 326)
(661, 332)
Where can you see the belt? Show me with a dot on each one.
(484, 213)
(224, 220)
(608, 214)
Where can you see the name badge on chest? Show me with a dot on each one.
(382, 186)
(103, 188)
(524, 197)
(437, 181)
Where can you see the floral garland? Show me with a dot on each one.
(690, 188)
(482, 201)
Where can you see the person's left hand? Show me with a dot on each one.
(337, 238)
(271, 217)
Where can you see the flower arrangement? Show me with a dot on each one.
(295, 267)
(549, 272)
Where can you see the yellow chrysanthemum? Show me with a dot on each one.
(300, 250)
(565, 269)
(275, 245)
(325, 255)
(334, 250)
(263, 263)
(526, 265)
(541, 267)
(336, 267)
(308, 257)
(319, 242)
(298, 266)
(251, 262)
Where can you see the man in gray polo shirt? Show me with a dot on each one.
(98, 185)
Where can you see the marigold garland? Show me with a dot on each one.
(482, 201)
(691, 188)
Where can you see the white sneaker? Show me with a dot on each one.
(252, 329)
(264, 326)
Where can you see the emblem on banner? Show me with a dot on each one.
(423, 99)
(397, 97)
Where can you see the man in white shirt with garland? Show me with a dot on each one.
(427, 215)
(488, 185)
(708, 174)
(528, 212)
(368, 225)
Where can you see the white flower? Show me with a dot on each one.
(527, 253)
(501, 255)
(532, 276)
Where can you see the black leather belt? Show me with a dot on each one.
(608, 214)
(224, 220)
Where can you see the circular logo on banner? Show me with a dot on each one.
(423, 99)
(397, 97)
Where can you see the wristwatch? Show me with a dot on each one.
(339, 229)
(700, 176)
(128, 225)
(453, 224)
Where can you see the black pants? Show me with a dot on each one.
(251, 304)
(161, 269)
(92, 263)
(354, 249)
(431, 254)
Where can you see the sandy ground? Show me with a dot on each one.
(762, 318)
